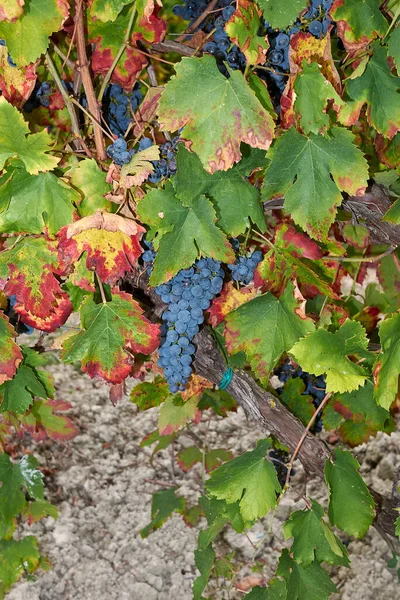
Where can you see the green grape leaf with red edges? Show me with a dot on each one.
(358, 23)
(388, 272)
(11, 9)
(108, 10)
(326, 353)
(312, 95)
(46, 419)
(10, 352)
(34, 203)
(387, 365)
(215, 457)
(108, 38)
(16, 478)
(243, 27)
(35, 511)
(378, 88)
(351, 506)
(188, 457)
(40, 19)
(204, 560)
(149, 393)
(301, 169)
(216, 113)
(304, 583)
(175, 413)
(280, 15)
(16, 141)
(111, 333)
(229, 300)
(394, 47)
(313, 539)
(192, 515)
(111, 244)
(91, 182)
(183, 232)
(294, 256)
(16, 84)
(300, 404)
(276, 591)
(163, 504)
(250, 479)
(266, 327)
(236, 202)
(27, 270)
(18, 557)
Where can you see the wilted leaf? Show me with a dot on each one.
(139, 168)
(16, 84)
(11, 9)
(358, 22)
(243, 28)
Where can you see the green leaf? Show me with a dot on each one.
(16, 558)
(383, 110)
(175, 413)
(313, 92)
(91, 182)
(30, 203)
(305, 583)
(10, 352)
(39, 20)
(398, 526)
(276, 591)
(17, 141)
(236, 201)
(281, 14)
(18, 394)
(35, 511)
(249, 478)
(265, 328)
(183, 232)
(326, 353)
(394, 47)
(188, 457)
(300, 404)
(16, 478)
(110, 333)
(243, 28)
(149, 394)
(351, 506)
(163, 504)
(204, 560)
(387, 365)
(313, 539)
(108, 10)
(216, 113)
(359, 22)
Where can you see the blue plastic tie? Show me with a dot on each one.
(226, 379)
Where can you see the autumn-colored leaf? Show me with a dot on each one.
(139, 168)
(111, 243)
(111, 334)
(10, 352)
(11, 9)
(149, 394)
(147, 110)
(16, 84)
(28, 270)
(175, 413)
(229, 300)
(44, 420)
(243, 28)
(358, 23)
(107, 10)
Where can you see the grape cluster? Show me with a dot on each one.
(9, 59)
(148, 255)
(315, 386)
(119, 153)
(118, 107)
(244, 267)
(280, 459)
(221, 46)
(166, 166)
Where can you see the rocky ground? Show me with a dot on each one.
(102, 483)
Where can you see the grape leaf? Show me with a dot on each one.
(312, 93)
(204, 560)
(183, 232)
(265, 328)
(10, 352)
(16, 84)
(276, 591)
(229, 300)
(17, 395)
(163, 504)
(27, 270)
(236, 201)
(398, 527)
(394, 47)
(111, 333)
(249, 478)
(139, 168)
(378, 88)
(149, 394)
(111, 243)
(35, 511)
(31, 203)
(301, 169)
(243, 28)
(351, 506)
(11, 9)
(40, 19)
(108, 10)
(91, 182)
(387, 365)
(18, 557)
(300, 404)
(326, 353)
(201, 100)
(44, 420)
(305, 583)
(17, 141)
(313, 540)
(15, 479)
(175, 413)
(358, 22)
(278, 14)
(191, 455)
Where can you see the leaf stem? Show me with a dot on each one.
(103, 296)
(91, 117)
(356, 259)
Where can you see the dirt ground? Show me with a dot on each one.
(102, 483)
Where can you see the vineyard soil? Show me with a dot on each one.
(101, 482)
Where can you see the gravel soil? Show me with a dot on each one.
(102, 483)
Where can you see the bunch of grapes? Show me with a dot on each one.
(9, 59)
(118, 107)
(280, 459)
(166, 166)
(244, 267)
(119, 153)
